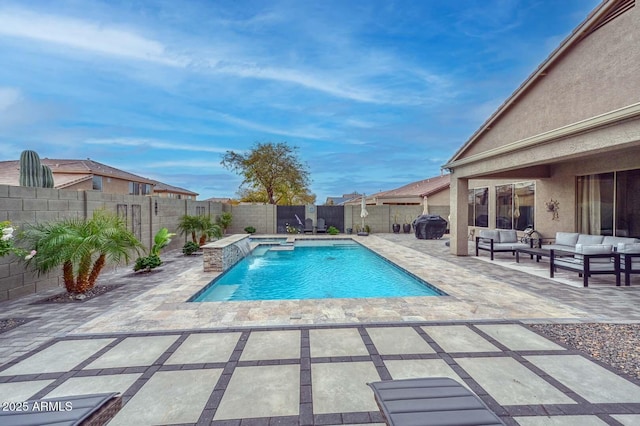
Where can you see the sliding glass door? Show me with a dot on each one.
(609, 198)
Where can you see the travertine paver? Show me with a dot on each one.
(627, 419)
(459, 338)
(336, 342)
(100, 384)
(587, 379)
(264, 391)
(341, 387)
(272, 345)
(416, 368)
(518, 338)
(61, 356)
(169, 397)
(21, 391)
(398, 340)
(510, 383)
(134, 351)
(560, 421)
(205, 347)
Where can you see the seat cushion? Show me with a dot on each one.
(594, 249)
(567, 238)
(624, 249)
(589, 239)
(508, 236)
(614, 241)
(628, 248)
(490, 233)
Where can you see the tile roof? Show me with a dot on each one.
(418, 189)
(163, 187)
(67, 172)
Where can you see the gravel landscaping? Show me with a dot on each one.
(617, 345)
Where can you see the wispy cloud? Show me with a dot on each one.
(191, 164)
(85, 35)
(307, 133)
(155, 144)
(8, 96)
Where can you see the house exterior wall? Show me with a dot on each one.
(596, 76)
(86, 185)
(561, 186)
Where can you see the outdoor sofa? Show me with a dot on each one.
(587, 260)
(594, 254)
(499, 240)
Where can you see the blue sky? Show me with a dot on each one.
(375, 93)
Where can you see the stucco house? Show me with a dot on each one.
(433, 191)
(168, 191)
(81, 175)
(562, 153)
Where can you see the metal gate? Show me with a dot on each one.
(289, 215)
(333, 216)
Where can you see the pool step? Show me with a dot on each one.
(283, 247)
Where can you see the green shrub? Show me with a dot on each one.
(250, 230)
(333, 230)
(190, 247)
(147, 263)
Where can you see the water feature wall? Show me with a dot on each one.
(221, 255)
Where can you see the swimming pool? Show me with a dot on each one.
(314, 270)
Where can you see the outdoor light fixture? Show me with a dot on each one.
(156, 208)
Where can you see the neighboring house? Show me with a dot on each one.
(436, 189)
(220, 200)
(337, 201)
(87, 174)
(432, 192)
(563, 151)
(167, 191)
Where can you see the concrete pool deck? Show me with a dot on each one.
(306, 362)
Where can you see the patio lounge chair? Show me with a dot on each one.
(86, 410)
(322, 227)
(587, 260)
(430, 402)
(495, 241)
(308, 225)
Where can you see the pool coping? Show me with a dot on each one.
(165, 306)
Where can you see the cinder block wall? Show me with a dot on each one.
(261, 217)
(144, 216)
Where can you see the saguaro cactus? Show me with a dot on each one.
(30, 169)
(47, 177)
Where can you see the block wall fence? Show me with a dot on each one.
(144, 216)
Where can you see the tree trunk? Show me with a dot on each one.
(95, 271)
(203, 239)
(193, 236)
(67, 275)
(82, 280)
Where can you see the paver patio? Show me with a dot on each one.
(286, 363)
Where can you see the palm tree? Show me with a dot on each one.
(82, 247)
(208, 229)
(189, 225)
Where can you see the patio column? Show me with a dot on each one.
(458, 224)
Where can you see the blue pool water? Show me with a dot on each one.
(339, 269)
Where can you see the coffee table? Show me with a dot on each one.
(539, 253)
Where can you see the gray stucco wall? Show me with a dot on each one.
(598, 75)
